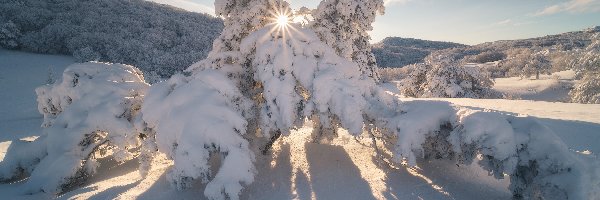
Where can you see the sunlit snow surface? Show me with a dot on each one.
(295, 169)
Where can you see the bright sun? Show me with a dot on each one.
(282, 20)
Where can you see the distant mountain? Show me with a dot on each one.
(564, 41)
(398, 52)
(156, 38)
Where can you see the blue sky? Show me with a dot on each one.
(464, 21)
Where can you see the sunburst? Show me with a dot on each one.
(282, 20)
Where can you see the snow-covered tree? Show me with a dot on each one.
(445, 80)
(526, 63)
(9, 35)
(344, 25)
(538, 63)
(91, 110)
(296, 77)
(587, 89)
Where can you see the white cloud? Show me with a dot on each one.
(511, 22)
(572, 6)
(504, 22)
(188, 5)
(389, 2)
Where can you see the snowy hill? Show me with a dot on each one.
(153, 37)
(296, 168)
(398, 52)
(563, 41)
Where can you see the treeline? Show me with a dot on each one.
(398, 52)
(161, 40)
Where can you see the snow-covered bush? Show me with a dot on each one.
(92, 108)
(538, 163)
(9, 33)
(442, 79)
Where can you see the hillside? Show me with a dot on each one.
(563, 41)
(398, 52)
(155, 38)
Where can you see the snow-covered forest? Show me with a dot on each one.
(160, 40)
(279, 109)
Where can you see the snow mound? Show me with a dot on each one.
(93, 107)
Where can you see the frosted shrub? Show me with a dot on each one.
(92, 108)
(445, 80)
(538, 163)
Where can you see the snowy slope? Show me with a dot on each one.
(20, 74)
(344, 169)
(554, 88)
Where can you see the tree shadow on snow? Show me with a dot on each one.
(108, 169)
(162, 189)
(329, 173)
(274, 177)
(114, 192)
(442, 179)
(334, 175)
